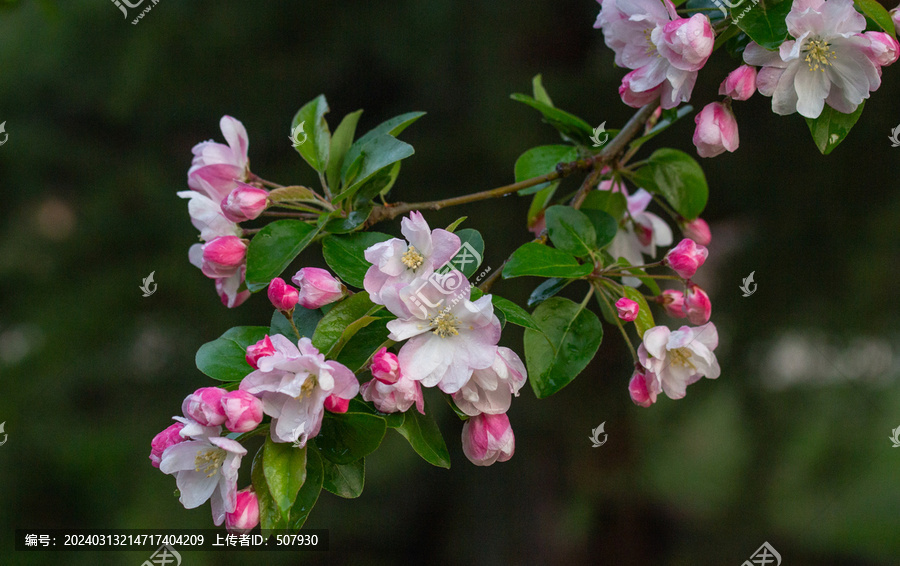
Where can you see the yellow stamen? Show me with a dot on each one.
(445, 324)
(412, 259)
(817, 54)
(210, 459)
(306, 390)
(681, 357)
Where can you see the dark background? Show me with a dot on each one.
(789, 446)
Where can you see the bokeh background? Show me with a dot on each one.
(789, 446)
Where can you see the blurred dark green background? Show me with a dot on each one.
(789, 446)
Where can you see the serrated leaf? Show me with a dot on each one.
(343, 321)
(378, 184)
(377, 154)
(425, 437)
(547, 289)
(605, 226)
(542, 160)
(224, 358)
(831, 127)
(368, 340)
(347, 437)
(678, 177)
(344, 480)
(345, 255)
(514, 313)
(285, 469)
(394, 127)
(609, 202)
(270, 516)
(765, 22)
(543, 261)
(340, 143)
(570, 230)
(309, 493)
(317, 147)
(353, 221)
(273, 248)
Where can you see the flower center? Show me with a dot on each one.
(651, 47)
(682, 357)
(306, 390)
(210, 460)
(445, 324)
(412, 258)
(817, 53)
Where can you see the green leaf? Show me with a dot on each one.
(357, 405)
(394, 127)
(273, 248)
(471, 252)
(270, 516)
(345, 255)
(764, 23)
(570, 230)
(425, 437)
(609, 202)
(831, 127)
(345, 480)
(347, 437)
(285, 469)
(315, 150)
(455, 224)
(539, 202)
(377, 154)
(305, 320)
(309, 493)
(678, 177)
(340, 143)
(574, 334)
(878, 14)
(540, 94)
(644, 320)
(570, 126)
(225, 357)
(547, 289)
(294, 193)
(605, 226)
(360, 348)
(543, 261)
(378, 184)
(668, 118)
(342, 322)
(542, 160)
(353, 220)
(514, 313)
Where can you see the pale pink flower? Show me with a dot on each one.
(681, 357)
(243, 412)
(487, 439)
(244, 203)
(206, 215)
(672, 302)
(697, 230)
(643, 387)
(168, 437)
(245, 516)
(627, 309)
(883, 50)
(317, 287)
(697, 305)
(232, 290)
(686, 258)
(219, 165)
(895, 15)
(642, 233)
(716, 131)
(283, 296)
(206, 468)
(740, 84)
(827, 61)
(293, 384)
(205, 406)
(395, 397)
(490, 390)
(637, 99)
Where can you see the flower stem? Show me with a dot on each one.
(602, 295)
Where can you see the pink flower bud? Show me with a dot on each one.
(243, 411)
(244, 203)
(686, 258)
(716, 130)
(246, 512)
(337, 404)
(317, 287)
(740, 84)
(697, 305)
(205, 406)
(643, 387)
(385, 367)
(895, 15)
(883, 49)
(686, 43)
(697, 230)
(259, 350)
(634, 98)
(487, 439)
(672, 302)
(223, 256)
(628, 309)
(169, 437)
(282, 295)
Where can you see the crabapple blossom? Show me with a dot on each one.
(395, 397)
(490, 390)
(697, 230)
(681, 357)
(223, 256)
(634, 98)
(283, 296)
(883, 50)
(716, 130)
(206, 216)
(335, 404)
(686, 258)
(243, 412)
(740, 84)
(221, 166)
(246, 512)
(168, 437)
(256, 351)
(395, 263)
(627, 309)
(895, 16)
(828, 61)
(697, 305)
(246, 202)
(206, 468)
(643, 387)
(317, 287)
(385, 367)
(293, 384)
(641, 235)
(232, 290)
(488, 438)
(205, 406)
(672, 302)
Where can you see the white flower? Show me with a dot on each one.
(490, 390)
(643, 232)
(681, 357)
